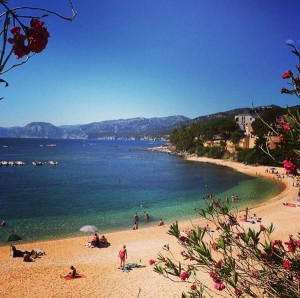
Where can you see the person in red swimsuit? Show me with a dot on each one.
(123, 256)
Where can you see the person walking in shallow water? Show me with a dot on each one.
(123, 256)
(146, 216)
(136, 216)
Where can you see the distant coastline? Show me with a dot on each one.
(237, 166)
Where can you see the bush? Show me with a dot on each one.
(241, 262)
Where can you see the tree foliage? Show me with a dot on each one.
(191, 138)
(242, 262)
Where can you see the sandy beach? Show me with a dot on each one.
(41, 278)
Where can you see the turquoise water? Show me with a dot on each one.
(103, 183)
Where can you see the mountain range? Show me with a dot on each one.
(135, 128)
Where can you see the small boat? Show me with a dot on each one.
(37, 163)
(53, 162)
(51, 145)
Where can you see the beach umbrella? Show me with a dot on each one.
(13, 237)
(89, 229)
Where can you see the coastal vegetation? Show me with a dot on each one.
(241, 261)
(212, 139)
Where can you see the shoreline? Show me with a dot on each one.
(222, 163)
(103, 278)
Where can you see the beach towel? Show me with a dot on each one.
(125, 270)
(132, 265)
(68, 277)
(289, 204)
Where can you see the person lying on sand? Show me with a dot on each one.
(35, 253)
(27, 257)
(14, 252)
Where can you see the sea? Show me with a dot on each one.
(104, 182)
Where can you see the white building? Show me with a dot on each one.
(244, 121)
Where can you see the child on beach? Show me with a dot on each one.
(135, 226)
(161, 223)
(123, 256)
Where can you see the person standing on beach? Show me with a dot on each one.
(233, 198)
(246, 213)
(123, 256)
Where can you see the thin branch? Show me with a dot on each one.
(74, 12)
(262, 120)
(5, 28)
(15, 65)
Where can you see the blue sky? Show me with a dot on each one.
(154, 58)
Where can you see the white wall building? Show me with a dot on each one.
(244, 121)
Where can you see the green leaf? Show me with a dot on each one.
(236, 278)
(221, 243)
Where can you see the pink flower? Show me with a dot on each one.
(287, 265)
(286, 127)
(17, 41)
(291, 248)
(262, 228)
(193, 287)
(216, 203)
(219, 264)
(282, 138)
(216, 278)
(219, 286)
(254, 273)
(214, 246)
(291, 245)
(184, 239)
(277, 242)
(284, 90)
(38, 36)
(287, 75)
(238, 292)
(184, 275)
(152, 262)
